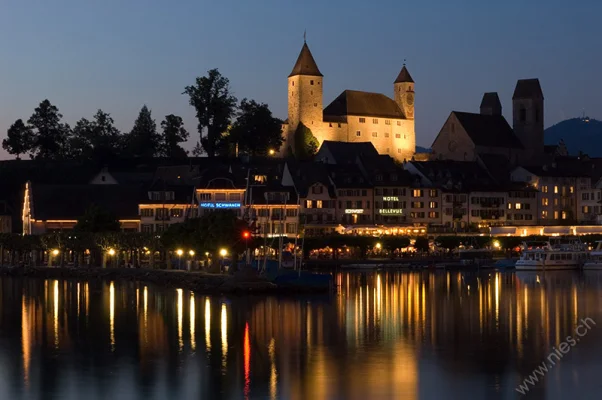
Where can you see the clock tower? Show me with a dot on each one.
(404, 93)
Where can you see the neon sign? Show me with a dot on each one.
(352, 211)
(390, 198)
(391, 211)
(219, 205)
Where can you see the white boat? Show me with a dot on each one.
(594, 259)
(557, 253)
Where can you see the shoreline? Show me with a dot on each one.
(241, 284)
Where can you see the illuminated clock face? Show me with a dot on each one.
(452, 146)
(410, 99)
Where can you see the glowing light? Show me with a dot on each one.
(145, 301)
(192, 253)
(207, 324)
(55, 252)
(224, 326)
(223, 252)
(496, 244)
(112, 314)
(56, 313)
(379, 246)
(180, 318)
(111, 252)
(25, 340)
(247, 361)
(272, 152)
(192, 323)
(273, 371)
(179, 252)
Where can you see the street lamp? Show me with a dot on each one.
(496, 244)
(55, 252)
(192, 253)
(179, 252)
(379, 246)
(272, 152)
(111, 252)
(223, 253)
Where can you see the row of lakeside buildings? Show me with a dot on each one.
(347, 188)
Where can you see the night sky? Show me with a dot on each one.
(118, 55)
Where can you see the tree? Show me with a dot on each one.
(422, 244)
(174, 133)
(98, 139)
(255, 130)
(97, 219)
(198, 150)
(19, 139)
(143, 140)
(214, 105)
(50, 136)
(306, 144)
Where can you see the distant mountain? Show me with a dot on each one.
(579, 134)
(420, 149)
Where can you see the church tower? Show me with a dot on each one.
(527, 116)
(404, 93)
(305, 95)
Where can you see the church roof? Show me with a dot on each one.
(491, 100)
(404, 76)
(488, 130)
(353, 102)
(305, 65)
(527, 89)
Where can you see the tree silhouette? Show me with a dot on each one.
(50, 136)
(306, 144)
(214, 105)
(255, 130)
(98, 139)
(174, 133)
(143, 140)
(19, 139)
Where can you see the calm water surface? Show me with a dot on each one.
(422, 335)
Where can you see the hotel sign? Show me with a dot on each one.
(390, 211)
(390, 198)
(352, 211)
(219, 205)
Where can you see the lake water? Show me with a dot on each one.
(415, 335)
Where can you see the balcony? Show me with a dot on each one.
(162, 218)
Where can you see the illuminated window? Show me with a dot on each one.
(362, 120)
(556, 189)
(555, 214)
(517, 206)
(433, 214)
(375, 121)
(585, 209)
(556, 201)
(358, 133)
(147, 212)
(433, 204)
(509, 206)
(417, 193)
(205, 196)
(374, 134)
(544, 214)
(387, 122)
(564, 215)
(308, 204)
(544, 189)
(544, 202)
(220, 196)
(319, 204)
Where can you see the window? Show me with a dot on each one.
(564, 215)
(527, 206)
(398, 136)
(404, 136)
(291, 212)
(176, 212)
(374, 134)
(362, 120)
(585, 196)
(386, 134)
(220, 196)
(146, 228)
(556, 189)
(585, 209)
(311, 82)
(315, 104)
(556, 202)
(399, 151)
(147, 212)
(291, 228)
(522, 114)
(375, 121)
(417, 204)
(544, 214)
(205, 196)
(433, 204)
(263, 212)
(387, 122)
(308, 204)
(417, 193)
(339, 125)
(317, 189)
(433, 193)
(398, 123)
(319, 204)
(358, 133)
(234, 197)
(544, 202)
(572, 189)
(293, 83)
(544, 189)
(555, 214)
(433, 214)
(528, 217)
(517, 206)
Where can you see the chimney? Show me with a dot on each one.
(491, 105)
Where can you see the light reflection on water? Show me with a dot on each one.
(417, 335)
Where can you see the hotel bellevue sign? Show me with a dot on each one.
(390, 211)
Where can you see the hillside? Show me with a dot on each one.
(579, 134)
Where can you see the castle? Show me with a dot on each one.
(354, 116)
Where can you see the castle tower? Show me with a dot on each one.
(491, 105)
(527, 116)
(404, 92)
(305, 94)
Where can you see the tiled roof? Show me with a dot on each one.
(305, 65)
(488, 130)
(71, 201)
(353, 102)
(404, 76)
(527, 89)
(347, 153)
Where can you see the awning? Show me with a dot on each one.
(587, 230)
(557, 230)
(503, 230)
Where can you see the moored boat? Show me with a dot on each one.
(565, 253)
(594, 259)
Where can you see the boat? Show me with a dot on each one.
(594, 259)
(555, 254)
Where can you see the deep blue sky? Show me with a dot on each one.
(118, 55)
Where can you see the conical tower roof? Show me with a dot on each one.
(305, 65)
(404, 76)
